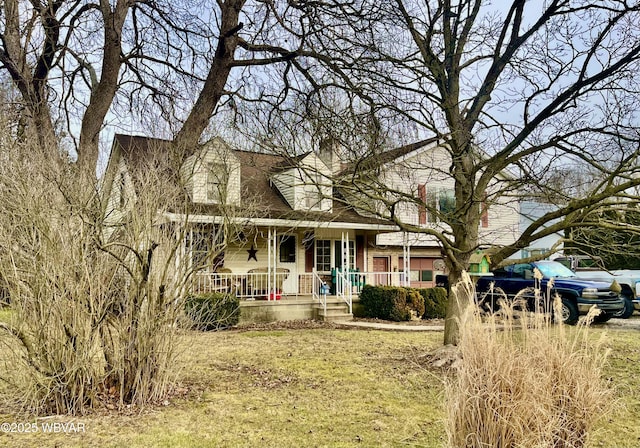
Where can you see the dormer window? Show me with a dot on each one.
(216, 182)
(312, 193)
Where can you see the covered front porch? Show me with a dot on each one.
(308, 267)
(314, 298)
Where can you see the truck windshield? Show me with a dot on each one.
(554, 269)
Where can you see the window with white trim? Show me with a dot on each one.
(312, 193)
(323, 255)
(440, 201)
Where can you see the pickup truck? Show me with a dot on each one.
(578, 295)
(589, 267)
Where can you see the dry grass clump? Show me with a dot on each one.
(524, 381)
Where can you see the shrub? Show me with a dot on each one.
(435, 302)
(391, 303)
(212, 311)
(415, 302)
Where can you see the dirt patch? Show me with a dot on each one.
(633, 323)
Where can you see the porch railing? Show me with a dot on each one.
(319, 290)
(249, 285)
(258, 285)
(344, 287)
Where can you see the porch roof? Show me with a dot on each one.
(280, 222)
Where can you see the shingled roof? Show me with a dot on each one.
(377, 160)
(256, 188)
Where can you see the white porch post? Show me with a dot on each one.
(345, 251)
(269, 265)
(406, 259)
(274, 265)
(344, 247)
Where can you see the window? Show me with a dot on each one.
(205, 246)
(426, 276)
(323, 255)
(216, 182)
(446, 201)
(312, 193)
(440, 201)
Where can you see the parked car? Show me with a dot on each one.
(591, 268)
(577, 295)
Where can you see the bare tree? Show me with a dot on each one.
(74, 61)
(513, 91)
(97, 315)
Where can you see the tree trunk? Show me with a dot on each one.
(464, 223)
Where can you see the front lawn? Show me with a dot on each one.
(308, 387)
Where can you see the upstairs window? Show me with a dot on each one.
(312, 193)
(446, 201)
(216, 182)
(439, 201)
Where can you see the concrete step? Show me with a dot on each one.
(335, 312)
(337, 317)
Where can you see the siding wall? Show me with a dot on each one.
(292, 184)
(195, 170)
(431, 167)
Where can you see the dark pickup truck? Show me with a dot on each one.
(577, 295)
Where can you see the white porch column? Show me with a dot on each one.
(272, 256)
(274, 263)
(345, 251)
(406, 259)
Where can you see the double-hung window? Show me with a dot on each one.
(439, 201)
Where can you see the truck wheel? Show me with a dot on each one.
(627, 311)
(569, 312)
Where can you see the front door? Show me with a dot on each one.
(287, 252)
(381, 265)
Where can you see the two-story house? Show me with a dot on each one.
(416, 181)
(261, 224)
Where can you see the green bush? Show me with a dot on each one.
(212, 311)
(391, 303)
(435, 302)
(415, 302)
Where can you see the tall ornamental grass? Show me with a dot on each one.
(525, 381)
